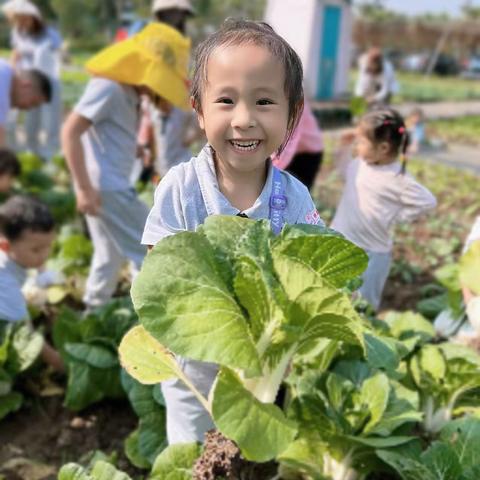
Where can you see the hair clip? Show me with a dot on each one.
(401, 130)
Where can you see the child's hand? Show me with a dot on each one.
(88, 201)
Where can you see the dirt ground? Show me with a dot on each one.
(43, 435)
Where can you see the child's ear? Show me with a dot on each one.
(384, 148)
(4, 245)
(194, 105)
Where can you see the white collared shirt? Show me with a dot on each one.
(189, 193)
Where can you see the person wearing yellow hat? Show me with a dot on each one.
(168, 134)
(99, 143)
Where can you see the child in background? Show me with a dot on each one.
(153, 63)
(10, 169)
(27, 232)
(377, 194)
(20, 89)
(247, 92)
(416, 129)
(302, 155)
(37, 45)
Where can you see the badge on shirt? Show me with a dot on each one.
(312, 218)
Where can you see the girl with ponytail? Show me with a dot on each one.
(378, 193)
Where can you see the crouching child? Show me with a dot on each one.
(27, 231)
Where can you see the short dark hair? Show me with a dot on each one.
(22, 212)
(239, 32)
(386, 125)
(42, 83)
(9, 164)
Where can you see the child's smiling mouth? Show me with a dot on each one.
(244, 145)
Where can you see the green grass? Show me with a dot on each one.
(419, 88)
(416, 87)
(459, 130)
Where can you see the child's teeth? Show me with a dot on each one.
(245, 145)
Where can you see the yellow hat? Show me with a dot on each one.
(157, 57)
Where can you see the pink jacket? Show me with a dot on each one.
(306, 138)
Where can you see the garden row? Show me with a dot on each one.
(364, 398)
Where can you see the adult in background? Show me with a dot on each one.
(37, 46)
(376, 82)
(20, 89)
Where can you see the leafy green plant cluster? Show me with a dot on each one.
(359, 389)
(19, 348)
(235, 295)
(50, 183)
(88, 346)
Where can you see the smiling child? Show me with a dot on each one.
(247, 92)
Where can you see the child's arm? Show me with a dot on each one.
(88, 199)
(344, 152)
(415, 199)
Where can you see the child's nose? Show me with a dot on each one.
(243, 117)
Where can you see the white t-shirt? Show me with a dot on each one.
(13, 307)
(41, 52)
(374, 199)
(6, 74)
(189, 193)
(380, 86)
(110, 143)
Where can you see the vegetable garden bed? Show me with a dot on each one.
(110, 411)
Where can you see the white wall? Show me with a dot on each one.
(300, 23)
(294, 20)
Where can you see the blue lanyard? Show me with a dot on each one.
(278, 203)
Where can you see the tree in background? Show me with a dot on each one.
(375, 11)
(470, 12)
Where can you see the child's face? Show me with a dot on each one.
(244, 106)
(6, 182)
(31, 249)
(27, 95)
(372, 153)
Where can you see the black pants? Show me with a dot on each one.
(305, 166)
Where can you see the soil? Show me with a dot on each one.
(42, 436)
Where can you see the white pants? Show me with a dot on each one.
(375, 276)
(187, 420)
(116, 235)
(46, 118)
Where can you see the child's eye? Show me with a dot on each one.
(265, 101)
(228, 101)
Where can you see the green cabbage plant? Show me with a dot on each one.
(234, 294)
